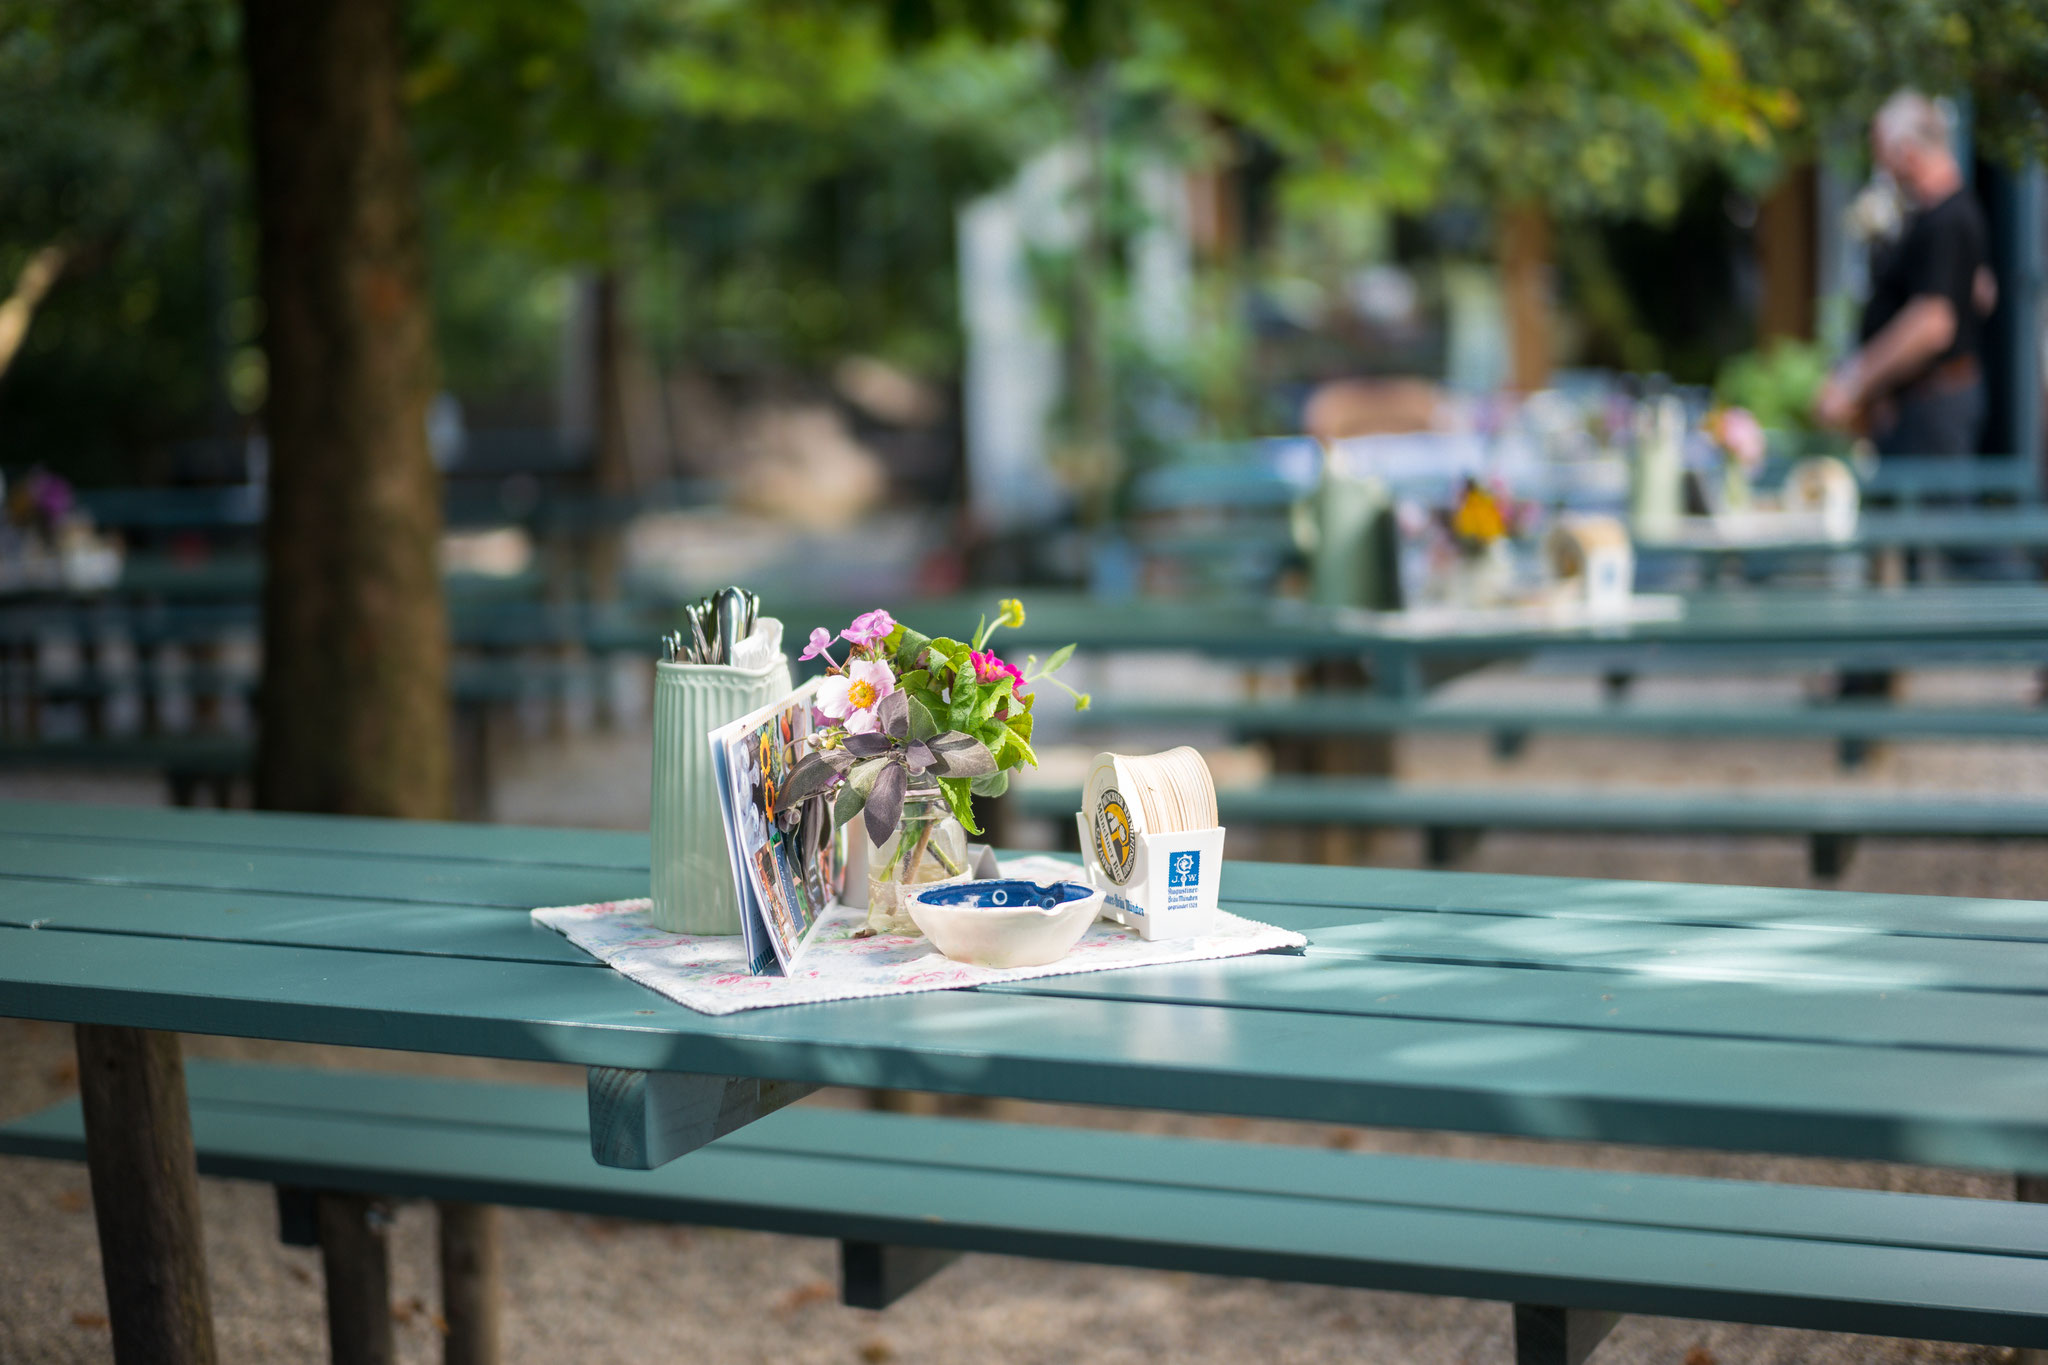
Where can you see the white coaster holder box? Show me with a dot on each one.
(1172, 888)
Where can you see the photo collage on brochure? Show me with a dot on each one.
(788, 864)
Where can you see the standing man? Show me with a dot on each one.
(1915, 381)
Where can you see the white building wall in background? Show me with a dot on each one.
(1011, 386)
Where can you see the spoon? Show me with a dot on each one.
(731, 610)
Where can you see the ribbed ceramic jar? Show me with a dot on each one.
(692, 881)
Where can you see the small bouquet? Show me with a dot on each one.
(1482, 518)
(1739, 439)
(904, 713)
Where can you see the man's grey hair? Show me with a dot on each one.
(1910, 118)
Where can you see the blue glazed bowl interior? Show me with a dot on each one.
(1008, 893)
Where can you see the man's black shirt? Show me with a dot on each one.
(1939, 253)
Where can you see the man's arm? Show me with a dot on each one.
(1922, 330)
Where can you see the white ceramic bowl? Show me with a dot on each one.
(1007, 922)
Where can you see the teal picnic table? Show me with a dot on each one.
(1848, 630)
(1892, 1028)
(2022, 529)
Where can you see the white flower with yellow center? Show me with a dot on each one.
(851, 697)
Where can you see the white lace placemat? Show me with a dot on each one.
(708, 972)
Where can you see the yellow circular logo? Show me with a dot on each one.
(1115, 847)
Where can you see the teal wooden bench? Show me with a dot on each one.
(1849, 724)
(903, 1195)
(1451, 817)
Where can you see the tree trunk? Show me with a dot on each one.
(612, 461)
(1787, 256)
(1527, 282)
(355, 707)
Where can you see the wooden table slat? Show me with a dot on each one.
(438, 841)
(448, 882)
(1896, 1104)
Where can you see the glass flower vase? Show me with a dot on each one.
(929, 848)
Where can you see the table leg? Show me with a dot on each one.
(145, 1194)
(355, 1251)
(471, 1271)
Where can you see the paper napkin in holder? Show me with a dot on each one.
(1170, 888)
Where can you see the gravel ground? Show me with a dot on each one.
(601, 1291)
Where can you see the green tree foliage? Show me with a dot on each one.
(1842, 57)
(119, 133)
(1594, 103)
(778, 177)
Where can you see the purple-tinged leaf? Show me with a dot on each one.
(807, 779)
(884, 810)
(957, 754)
(893, 711)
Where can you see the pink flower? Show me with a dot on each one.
(1742, 436)
(851, 697)
(988, 668)
(869, 628)
(821, 640)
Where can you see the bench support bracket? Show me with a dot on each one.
(1559, 1336)
(876, 1274)
(643, 1119)
(1446, 845)
(298, 1216)
(1828, 855)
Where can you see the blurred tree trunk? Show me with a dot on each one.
(612, 460)
(1787, 256)
(1528, 291)
(355, 705)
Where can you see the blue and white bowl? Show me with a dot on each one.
(1006, 922)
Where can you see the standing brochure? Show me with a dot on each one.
(787, 862)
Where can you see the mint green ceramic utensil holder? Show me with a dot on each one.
(692, 875)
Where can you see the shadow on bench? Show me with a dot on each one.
(904, 1195)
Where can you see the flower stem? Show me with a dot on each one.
(924, 837)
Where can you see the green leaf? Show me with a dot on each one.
(915, 679)
(848, 803)
(959, 793)
(1021, 722)
(909, 646)
(924, 721)
(992, 698)
(990, 784)
(1057, 661)
(961, 713)
(981, 634)
(861, 776)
